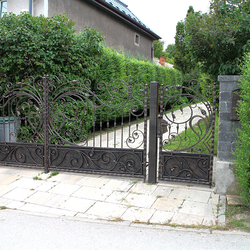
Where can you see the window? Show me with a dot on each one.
(3, 7)
(137, 39)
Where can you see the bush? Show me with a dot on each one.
(242, 153)
(31, 46)
(116, 66)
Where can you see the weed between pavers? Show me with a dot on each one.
(3, 207)
(53, 173)
(37, 178)
(174, 225)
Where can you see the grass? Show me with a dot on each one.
(238, 217)
(53, 173)
(37, 178)
(3, 207)
(189, 138)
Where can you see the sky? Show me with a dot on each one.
(161, 16)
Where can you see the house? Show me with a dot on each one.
(120, 27)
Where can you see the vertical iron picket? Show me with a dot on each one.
(152, 172)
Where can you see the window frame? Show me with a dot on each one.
(137, 39)
(1, 7)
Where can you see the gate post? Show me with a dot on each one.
(46, 123)
(154, 110)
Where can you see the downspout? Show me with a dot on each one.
(30, 7)
(46, 8)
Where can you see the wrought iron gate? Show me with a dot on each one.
(47, 122)
(51, 123)
(185, 128)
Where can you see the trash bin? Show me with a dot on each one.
(8, 129)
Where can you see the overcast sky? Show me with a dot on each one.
(161, 16)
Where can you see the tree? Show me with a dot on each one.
(219, 39)
(182, 57)
(170, 51)
(158, 48)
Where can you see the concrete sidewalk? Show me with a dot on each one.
(92, 197)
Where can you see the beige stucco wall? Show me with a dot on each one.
(16, 6)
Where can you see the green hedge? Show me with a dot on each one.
(242, 154)
(116, 66)
(31, 46)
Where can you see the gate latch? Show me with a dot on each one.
(162, 126)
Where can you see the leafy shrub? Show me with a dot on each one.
(116, 66)
(242, 153)
(31, 46)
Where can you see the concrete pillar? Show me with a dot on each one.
(225, 182)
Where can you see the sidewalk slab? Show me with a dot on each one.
(192, 195)
(92, 193)
(64, 189)
(162, 217)
(107, 210)
(19, 194)
(198, 208)
(139, 200)
(167, 204)
(138, 214)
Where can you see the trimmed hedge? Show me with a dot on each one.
(242, 153)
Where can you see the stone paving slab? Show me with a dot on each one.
(198, 208)
(19, 194)
(88, 197)
(162, 217)
(107, 210)
(138, 214)
(64, 189)
(77, 204)
(139, 200)
(40, 198)
(187, 219)
(192, 195)
(119, 185)
(167, 204)
(93, 193)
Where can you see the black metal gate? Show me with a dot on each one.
(185, 128)
(47, 122)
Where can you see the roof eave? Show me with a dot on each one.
(104, 5)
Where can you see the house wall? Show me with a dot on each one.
(17, 6)
(38, 7)
(117, 34)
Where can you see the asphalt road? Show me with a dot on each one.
(25, 231)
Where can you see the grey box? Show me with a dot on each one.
(8, 129)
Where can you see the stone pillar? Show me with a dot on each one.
(225, 181)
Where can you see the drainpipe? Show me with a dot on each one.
(30, 7)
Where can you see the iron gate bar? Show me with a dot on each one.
(152, 171)
(46, 122)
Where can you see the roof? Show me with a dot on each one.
(121, 9)
(124, 8)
